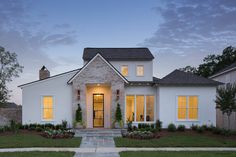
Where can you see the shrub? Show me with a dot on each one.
(79, 114)
(139, 135)
(64, 124)
(200, 129)
(7, 128)
(118, 113)
(14, 127)
(216, 130)
(171, 127)
(38, 129)
(2, 130)
(194, 127)
(129, 125)
(181, 128)
(158, 125)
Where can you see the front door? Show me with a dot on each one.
(98, 110)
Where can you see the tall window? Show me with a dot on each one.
(136, 105)
(130, 108)
(124, 70)
(149, 108)
(139, 108)
(187, 107)
(47, 108)
(140, 70)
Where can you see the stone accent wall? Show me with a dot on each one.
(8, 114)
(98, 72)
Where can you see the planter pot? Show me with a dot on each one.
(118, 125)
(79, 126)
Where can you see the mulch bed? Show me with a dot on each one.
(164, 133)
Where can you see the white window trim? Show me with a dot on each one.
(137, 71)
(137, 122)
(53, 108)
(121, 70)
(187, 119)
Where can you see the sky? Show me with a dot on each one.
(55, 32)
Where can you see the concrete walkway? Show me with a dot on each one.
(117, 150)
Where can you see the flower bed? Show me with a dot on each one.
(139, 135)
(58, 134)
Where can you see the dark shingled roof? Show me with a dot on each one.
(119, 54)
(181, 78)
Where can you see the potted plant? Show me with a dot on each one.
(118, 120)
(78, 118)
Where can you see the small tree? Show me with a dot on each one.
(118, 113)
(79, 114)
(225, 100)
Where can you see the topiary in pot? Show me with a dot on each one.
(118, 120)
(78, 118)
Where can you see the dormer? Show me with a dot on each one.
(136, 64)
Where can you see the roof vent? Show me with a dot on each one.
(44, 73)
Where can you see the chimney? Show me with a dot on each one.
(44, 73)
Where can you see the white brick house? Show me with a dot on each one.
(119, 75)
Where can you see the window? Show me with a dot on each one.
(47, 108)
(124, 70)
(140, 108)
(150, 108)
(140, 70)
(187, 107)
(130, 108)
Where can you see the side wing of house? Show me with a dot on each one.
(48, 100)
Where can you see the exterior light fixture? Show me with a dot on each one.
(117, 94)
(78, 94)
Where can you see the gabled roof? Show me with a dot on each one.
(119, 54)
(180, 78)
(109, 64)
(48, 78)
(225, 70)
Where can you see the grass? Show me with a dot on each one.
(178, 154)
(37, 154)
(31, 140)
(177, 141)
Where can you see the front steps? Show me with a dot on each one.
(98, 132)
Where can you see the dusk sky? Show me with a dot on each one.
(55, 32)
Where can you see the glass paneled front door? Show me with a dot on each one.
(98, 110)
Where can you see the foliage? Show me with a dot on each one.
(9, 68)
(14, 127)
(55, 134)
(118, 113)
(139, 135)
(171, 127)
(213, 63)
(225, 100)
(181, 128)
(158, 125)
(129, 125)
(200, 129)
(64, 124)
(194, 127)
(79, 114)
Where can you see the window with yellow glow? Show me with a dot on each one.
(187, 107)
(124, 70)
(47, 107)
(149, 108)
(192, 107)
(139, 108)
(130, 108)
(182, 107)
(140, 70)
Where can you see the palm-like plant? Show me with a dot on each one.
(225, 100)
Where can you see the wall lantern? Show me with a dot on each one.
(78, 94)
(117, 94)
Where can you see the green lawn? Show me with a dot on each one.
(30, 140)
(37, 154)
(178, 154)
(177, 141)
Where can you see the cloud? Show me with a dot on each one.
(194, 26)
(21, 33)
